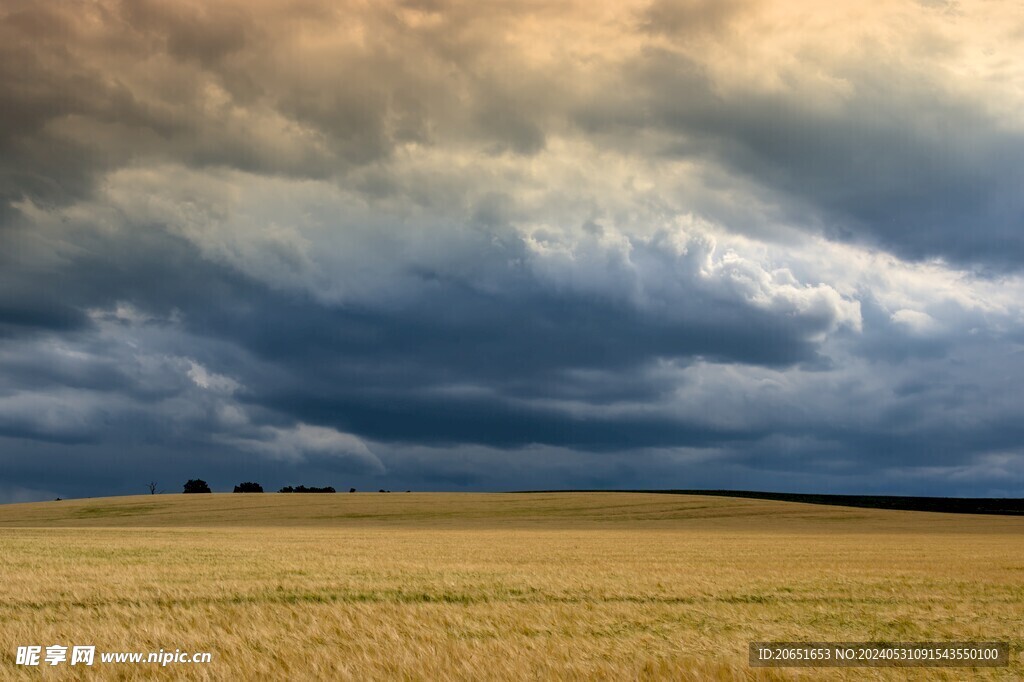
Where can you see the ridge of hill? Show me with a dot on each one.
(556, 510)
(1013, 506)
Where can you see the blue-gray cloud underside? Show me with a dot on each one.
(392, 246)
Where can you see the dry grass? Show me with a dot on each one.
(438, 586)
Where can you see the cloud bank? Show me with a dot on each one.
(444, 245)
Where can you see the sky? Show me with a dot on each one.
(514, 244)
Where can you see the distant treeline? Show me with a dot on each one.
(953, 505)
(304, 489)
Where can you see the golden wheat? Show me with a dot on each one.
(509, 587)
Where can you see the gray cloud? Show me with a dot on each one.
(424, 245)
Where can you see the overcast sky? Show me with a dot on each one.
(514, 244)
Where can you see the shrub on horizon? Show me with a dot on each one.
(248, 487)
(304, 489)
(197, 485)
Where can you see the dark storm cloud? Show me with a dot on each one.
(384, 373)
(28, 314)
(896, 162)
(393, 416)
(457, 334)
(89, 87)
(448, 370)
(897, 158)
(507, 245)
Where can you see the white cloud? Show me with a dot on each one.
(917, 322)
(204, 378)
(302, 441)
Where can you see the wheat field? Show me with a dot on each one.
(421, 586)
